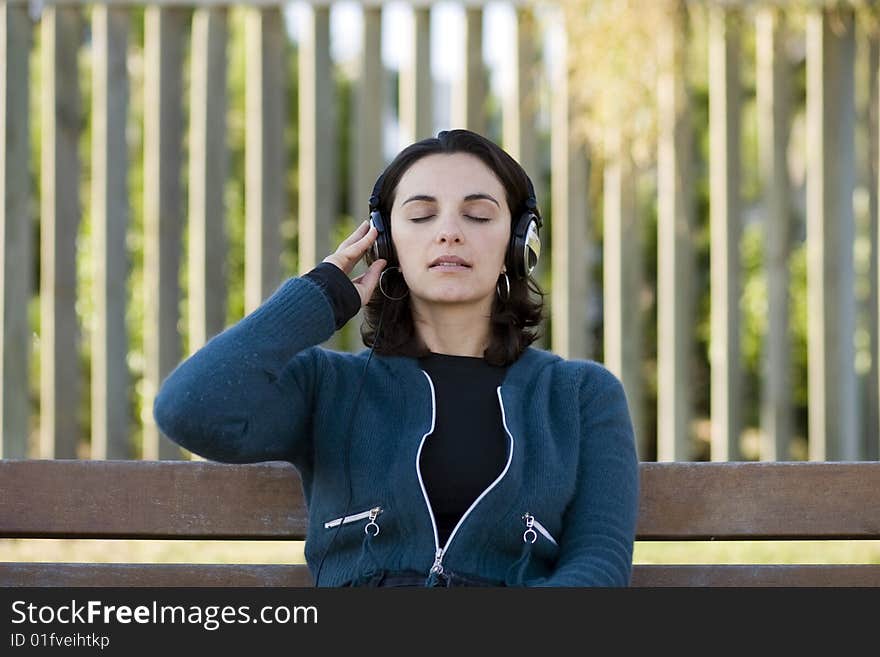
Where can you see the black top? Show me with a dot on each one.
(468, 448)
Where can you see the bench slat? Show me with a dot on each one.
(150, 500)
(198, 500)
(759, 500)
(198, 575)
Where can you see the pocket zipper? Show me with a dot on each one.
(371, 514)
(530, 535)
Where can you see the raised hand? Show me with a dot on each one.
(350, 251)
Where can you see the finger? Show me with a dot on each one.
(357, 234)
(357, 249)
(366, 282)
(378, 264)
(371, 276)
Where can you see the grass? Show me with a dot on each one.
(733, 552)
(166, 551)
(646, 552)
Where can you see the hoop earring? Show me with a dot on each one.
(505, 297)
(382, 289)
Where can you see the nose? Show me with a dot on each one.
(449, 228)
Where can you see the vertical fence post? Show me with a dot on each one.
(830, 235)
(568, 223)
(317, 209)
(60, 216)
(871, 424)
(519, 109)
(622, 278)
(469, 105)
(15, 230)
(519, 113)
(416, 86)
(873, 427)
(725, 220)
(110, 212)
(367, 136)
(773, 91)
(265, 153)
(207, 177)
(675, 250)
(163, 128)
(368, 110)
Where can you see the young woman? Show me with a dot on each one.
(459, 454)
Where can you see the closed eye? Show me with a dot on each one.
(472, 218)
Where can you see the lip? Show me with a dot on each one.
(460, 262)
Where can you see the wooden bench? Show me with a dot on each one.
(203, 500)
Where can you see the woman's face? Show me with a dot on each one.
(450, 204)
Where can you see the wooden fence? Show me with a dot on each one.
(194, 103)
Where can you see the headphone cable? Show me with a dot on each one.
(347, 450)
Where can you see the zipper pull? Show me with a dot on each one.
(529, 535)
(438, 563)
(374, 512)
(435, 575)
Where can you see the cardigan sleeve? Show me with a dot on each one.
(339, 290)
(596, 546)
(247, 394)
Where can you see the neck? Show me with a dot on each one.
(453, 330)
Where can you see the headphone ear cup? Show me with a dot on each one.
(532, 246)
(525, 246)
(381, 247)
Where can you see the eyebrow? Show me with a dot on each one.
(469, 197)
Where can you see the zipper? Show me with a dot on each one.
(440, 552)
(530, 536)
(372, 514)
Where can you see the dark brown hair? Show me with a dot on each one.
(514, 320)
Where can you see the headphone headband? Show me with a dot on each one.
(374, 197)
(532, 202)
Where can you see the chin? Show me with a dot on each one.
(454, 297)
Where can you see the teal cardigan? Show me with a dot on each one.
(561, 513)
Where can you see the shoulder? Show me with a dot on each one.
(591, 380)
(325, 357)
(586, 373)
(596, 376)
(327, 361)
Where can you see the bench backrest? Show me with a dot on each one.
(205, 500)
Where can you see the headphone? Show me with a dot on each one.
(523, 250)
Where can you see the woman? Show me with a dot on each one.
(460, 455)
